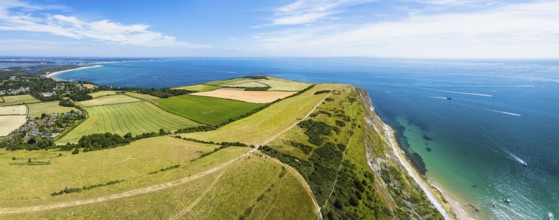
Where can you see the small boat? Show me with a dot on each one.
(550, 216)
(493, 204)
(448, 98)
(524, 164)
(507, 200)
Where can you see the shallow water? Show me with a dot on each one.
(501, 113)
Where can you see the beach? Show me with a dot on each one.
(53, 74)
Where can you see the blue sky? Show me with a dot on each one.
(375, 28)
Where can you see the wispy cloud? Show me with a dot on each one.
(309, 11)
(511, 31)
(16, 15)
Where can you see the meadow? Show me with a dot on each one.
(261, 126)
(108, 100)
(37, 109)
(138, 164)
(141, 96)
(13, 110)
(207, 110)
(254, 187)
(18, 100)
(199, 87)
(8, 123)
(134, 117)
(102, 93)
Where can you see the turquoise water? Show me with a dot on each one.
(501, 114)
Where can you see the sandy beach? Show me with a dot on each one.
(53, 74)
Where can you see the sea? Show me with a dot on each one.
(486, 130)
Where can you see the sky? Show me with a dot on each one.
(454, 29)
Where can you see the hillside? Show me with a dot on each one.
(317, 153)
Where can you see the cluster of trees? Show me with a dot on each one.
(67, 190)
(237, 144)
(66, 103)
(200, 128)
(80, 95)
(322, 92)
(257, 88)
(316, 130)
(101, 141)
(303, 147)
(164, 93)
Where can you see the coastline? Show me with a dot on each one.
(449, 207)
(53, 74)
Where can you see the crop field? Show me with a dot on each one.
(251, 188)
(108, 100)
(207, 110)
(275, 84)
(36, 109)
(132, 163)
(134, 117)
(199, 87)
(141, 96)
(267, 123)
(18, 100)
(246, 96)
(226, 81)
(13, 110)
(102, 93)
(8, 123)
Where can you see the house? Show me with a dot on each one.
(47, 94)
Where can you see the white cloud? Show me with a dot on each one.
(73, 27)
(309, 11)
(526, 30)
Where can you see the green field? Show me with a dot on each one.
(225, 81)
(102, 93)
(207, 110)
(141, 96)
(108, 100)
(36, 109)
(18, 100)
(254, 183)
(134, 117)
(264, 124)
(247, 85)
(199, 88)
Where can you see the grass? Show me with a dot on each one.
(134, 117)
(141, 96)
(207, 110)
(36, 109)
(278, 84)
(250, 182)
(108, 100)
(247, 85)
(199, 87)
(18, 100)
(264, 124)
(102, 93)
(130, 163)
(13, 110)
(8, 123)
(223, 82)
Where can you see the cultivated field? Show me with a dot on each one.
(251, 188)
(131, 163)
(246, 96)
(36, 109)
(207, 110)
(275, 84)
(263, 125)
(18, 100)
(102, 93)
(8, 123)
(199, 87)
(108, 100)
(224, 82)
(13, 110)
(141, 96)
(134, 117)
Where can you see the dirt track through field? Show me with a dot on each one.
(153, 188)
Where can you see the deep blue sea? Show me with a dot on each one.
(502, 114)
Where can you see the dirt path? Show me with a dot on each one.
(187, 209)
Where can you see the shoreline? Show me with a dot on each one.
(447, 206)
(53, 74)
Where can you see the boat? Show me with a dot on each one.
(493, 204)
(550, 216)
(507, 200)
(524, 164)
(448, 98)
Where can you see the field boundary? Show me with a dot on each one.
(2, 99)
(157, 105)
